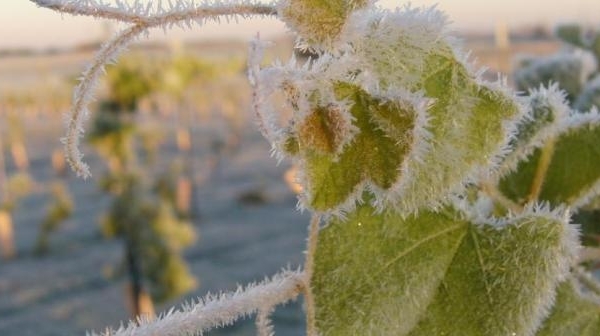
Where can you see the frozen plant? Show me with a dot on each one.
(441, 202)
(574, 68)
(143, 216)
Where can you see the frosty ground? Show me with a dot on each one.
(77, 287)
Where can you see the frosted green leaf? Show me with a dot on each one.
(467, 127)
(573, 172)
(543, 113)
(416, 123)
(372, 155)
(437, 274)
(467, 120)
(572, 314)
(324, 130)
(319, 22)
(547, 112)
(466, 123)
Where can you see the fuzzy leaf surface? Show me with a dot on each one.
(572, 314)
(417, 123)
(574, 169)
(466, 117)
(466, 124)
(319, 22)
(436, 274)
(373, 155)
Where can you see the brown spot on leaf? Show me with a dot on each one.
(324, 130)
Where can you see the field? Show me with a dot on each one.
(244, 213)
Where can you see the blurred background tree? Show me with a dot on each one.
(142, 214)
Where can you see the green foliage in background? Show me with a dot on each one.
(17, 186)
(142, 215)
(60, 209)
(151, 228)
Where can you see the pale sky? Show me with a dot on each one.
(22, 24)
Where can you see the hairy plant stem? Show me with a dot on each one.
(492, 191)
(140, 23)
(587, 280)
(588, 253)
(541, 171)
(212, 311)
(263, 322)
(309, 266)
(119, 14)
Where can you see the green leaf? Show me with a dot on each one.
(573, 172)
(372, 155)
(589, 221)
(411, 123)
(437, 274)
(466, 126)
(546, 109)
(325, 130)
(466, 121)
(466, 129)
(319, 22)
(547, 113)
(572, 314)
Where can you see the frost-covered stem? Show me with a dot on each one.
(495, 194)
(141, 15)
(263, 323)
(255, 55)
(541, 170)
(142, 22)
(309, 265)
(589, 254)
(587, 280)
(83, 95)
(218, 311)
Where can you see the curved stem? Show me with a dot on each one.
(263, 323)
(496, 195)
(587, 280)
(140, 15)
(217, 311)
(83, 95)
(109, 51)
(541, 171)
(309, 265)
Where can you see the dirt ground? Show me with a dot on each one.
(74, 287)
